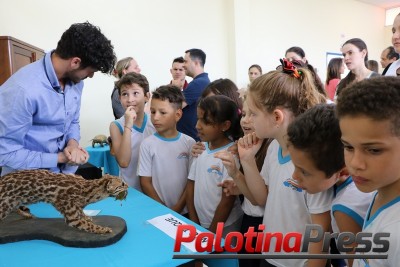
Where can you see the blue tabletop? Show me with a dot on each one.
(100, 157)
(142, 245)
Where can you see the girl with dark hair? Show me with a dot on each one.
(218, 124)
(223, 87)
(333, 75)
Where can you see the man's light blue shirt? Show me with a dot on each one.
(37, 118)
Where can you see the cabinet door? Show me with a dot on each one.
(14, 54)
(21, 57)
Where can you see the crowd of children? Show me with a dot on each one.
(294, 156)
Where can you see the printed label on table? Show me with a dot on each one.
(168, 223)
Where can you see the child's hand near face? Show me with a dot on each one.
(130, 116)
(197, 149)
(229, 162)
(248, 146)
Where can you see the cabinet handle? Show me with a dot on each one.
(33, 56)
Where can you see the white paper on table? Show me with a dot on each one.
(91, 212)
(168, 223)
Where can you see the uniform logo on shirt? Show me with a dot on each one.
(215, 169)
(292, 185)
(183, 155)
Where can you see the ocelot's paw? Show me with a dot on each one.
(103, 230)
(25, 212)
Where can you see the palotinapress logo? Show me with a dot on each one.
(293, 245)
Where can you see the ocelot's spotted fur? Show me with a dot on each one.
(69, 194)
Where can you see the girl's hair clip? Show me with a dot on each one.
(290, 68)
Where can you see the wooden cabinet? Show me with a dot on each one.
(15, 54)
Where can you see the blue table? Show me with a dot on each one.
(100, 157)
(143, 244)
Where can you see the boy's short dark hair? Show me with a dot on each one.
(317, 133)
(86, 41)
(179, 60)
(377, 98)
(131, 78)
(171, 93)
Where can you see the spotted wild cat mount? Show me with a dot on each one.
(69, 194)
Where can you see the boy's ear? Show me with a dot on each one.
(146, 97)
(342, 174)
(178, 114)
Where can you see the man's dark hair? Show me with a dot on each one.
(317, 133)
(131, 78)
(171, 93)
(197, 54)
(179, 60)
(377, 98)
(392, 53)
(86, 41)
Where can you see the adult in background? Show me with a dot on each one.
(388, 56)
(178, 73)
(40, 103)
(253, 72)
(123, 66)
(194, 67)
(355, 54)
(394, 69)
(373, 65)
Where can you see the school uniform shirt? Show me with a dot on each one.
(288, 207)
(392, 69)
(207, 172)
(385, 220)
(167, 162)
(252, 210)
(350, 201)
(138, 134)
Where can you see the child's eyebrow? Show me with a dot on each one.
(365, 144)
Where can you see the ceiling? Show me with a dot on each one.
(386, 4)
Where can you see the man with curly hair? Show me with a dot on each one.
(40, 104)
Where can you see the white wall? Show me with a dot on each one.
(316, 26)
(233, 33)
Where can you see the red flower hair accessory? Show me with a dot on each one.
(289, 68)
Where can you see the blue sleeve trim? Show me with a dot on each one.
(121, 130)
(354, 215)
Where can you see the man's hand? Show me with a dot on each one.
(178, 83)
(76, 155)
